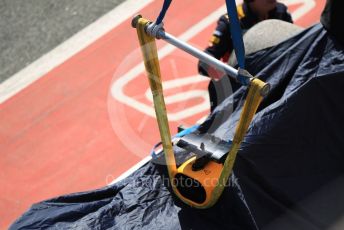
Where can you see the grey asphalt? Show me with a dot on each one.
(31, 28)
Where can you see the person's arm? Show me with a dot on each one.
(219, 45)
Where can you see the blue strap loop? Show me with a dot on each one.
(236, 33)
(163, 11)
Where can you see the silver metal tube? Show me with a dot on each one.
(206, 58)
(158, 32)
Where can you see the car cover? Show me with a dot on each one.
(288, 173)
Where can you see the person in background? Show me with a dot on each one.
(220, 46)
(332, 19)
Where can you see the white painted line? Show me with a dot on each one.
(306, 6)
(70, 47)
(132, 170)
(117, 88)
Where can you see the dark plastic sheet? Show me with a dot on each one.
(289, 173)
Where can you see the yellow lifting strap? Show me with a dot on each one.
(151, 61)
(215, 176)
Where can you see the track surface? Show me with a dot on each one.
(89, 119)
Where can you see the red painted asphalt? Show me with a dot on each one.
(57, 136)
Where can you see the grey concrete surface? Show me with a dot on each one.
(31, 28)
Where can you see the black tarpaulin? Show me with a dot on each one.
(289, 173)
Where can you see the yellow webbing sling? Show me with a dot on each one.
(220, 173)
(151, 61)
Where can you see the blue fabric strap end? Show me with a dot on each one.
(180, 134)
(163, 11)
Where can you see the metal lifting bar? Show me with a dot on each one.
(198, 54)
(158, 32)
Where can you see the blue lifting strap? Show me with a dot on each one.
(163, 11)
(236, 33)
